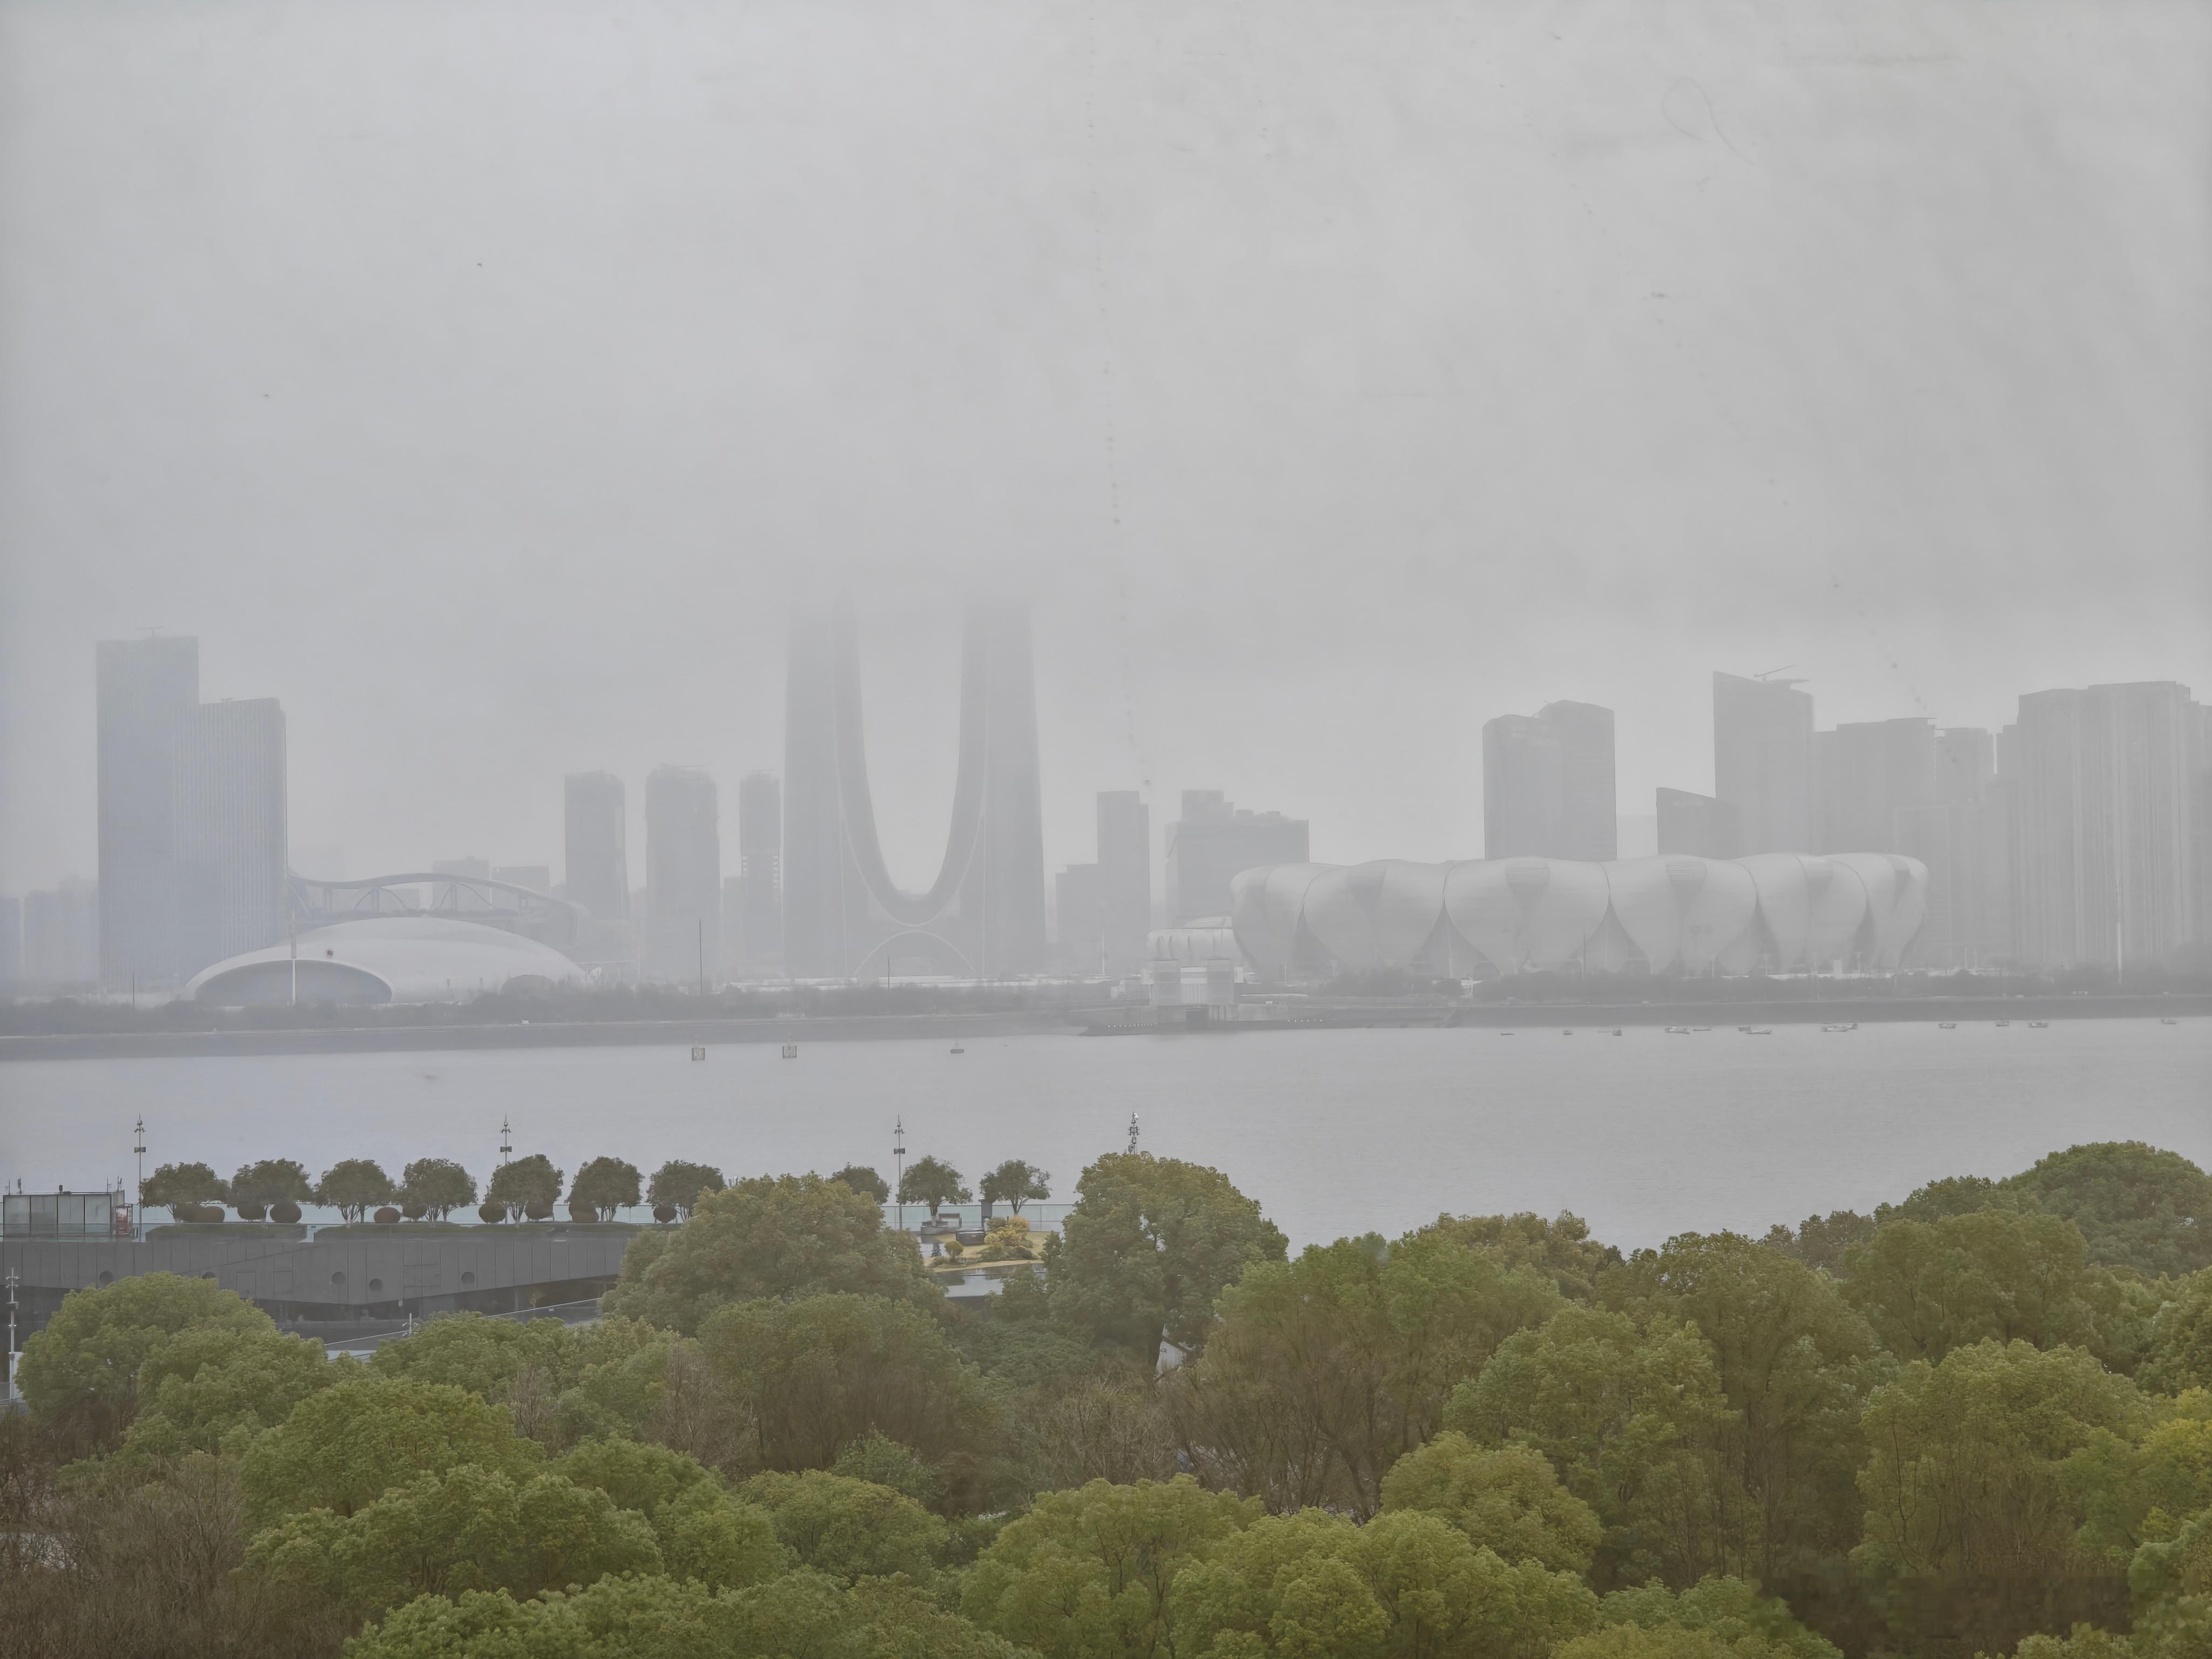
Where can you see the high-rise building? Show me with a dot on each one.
(61, 934)
(1079, 919)
(1763, 760)
(144, 687)
(11, 939)
(1698, 824)
(759, 913)
(1547, 784)
(683, 875)
(1213, 841)
(1961, 833)
(229, 801)
(1125, 879)
(984, 915)
(2108, 785)
(1863, 773)
(598, 859)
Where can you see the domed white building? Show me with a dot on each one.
(1775, 912)
(386, 959)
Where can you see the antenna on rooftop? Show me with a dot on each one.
(1132, 1134)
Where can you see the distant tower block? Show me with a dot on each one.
(760, 872)
(598, 855)
(984, 915)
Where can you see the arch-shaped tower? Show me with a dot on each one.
(983, 916)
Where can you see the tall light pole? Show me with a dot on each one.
(898, 1169)
(138, 1193)
(506, 1139)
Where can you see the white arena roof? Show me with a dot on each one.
(386, 959)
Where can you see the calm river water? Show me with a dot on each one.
(1332, 1131)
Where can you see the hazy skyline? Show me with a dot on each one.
(486, 383)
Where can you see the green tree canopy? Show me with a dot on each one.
(87, 1360)
(1796, 1363)
(1820, 1240)
(1631, 1416)
(352, 1184)
(1987, 1275)
(876, 1457)
(213, 1386)
(272, 1181)
(1323, 1370)
(173, 1184)
(1505, 1498)
(1561, 1248)
(2137, 1206)
(1148, 1247)
(467, 1528)
(932, 1182)
(439, 1185)
(847, 1528)
(681, 1185)
(865, 1181)
(525, 1184)
(1404, 1586)
(1093, 1572)
(1014, 1183)
(819, 1373)
(783, 1236)
(342, 1448)
(1730, 1610)
(604, 1186)
(635, 1475)
(1967, 1475)
(2180, 1355)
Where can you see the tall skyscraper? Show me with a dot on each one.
(1763, 760)
(144, 687)
(984, 914)
(760, 874)
(228, 799)
(2108, 785)
(1125, 879)
(683, 875)
(1698, 825)
(1547, 784)
(1079, 919)
(61, 934)
(1214, 841)
(598, 857)
(1961, 833)
(1865, 773)
(11, 939)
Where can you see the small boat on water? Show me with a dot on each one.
(1701, 1028)
(1678, 1030)
(1758, 1031)
(1853, 1026)
(2039, 1025)
(790, 1051)
(2163, 1020)
(2003, 1023)
(1616, 1030)
(1568, 1033)
(958, 1049)
(1505, 1034)
(1946, 1025)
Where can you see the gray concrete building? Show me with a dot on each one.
(1125, 878)
(1214, 841)
(229, 803)
(596, 831)
(144, 688)
(1547, 784)
(1763, 760)
(683, 876)
(1697, 826)
(758, 911)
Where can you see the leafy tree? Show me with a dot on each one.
(439, 1185)
(87, 1362)
(1633, 1417)
(213, 1387)
(865, 1181)
(1952, 1195)
(272, 1181)
(782, 1236)
(2133, 1490)
(1506, 1499)
(1796, 1363)
(932, 1182)
(704, 1533)
(524, 1185)
(1820, 1240)
(173, 1184)
(342, 1448)
(351, 1185)
(1561, 1248)
(1094, 1571)
(681, 1185)
(1406, 1584)
(1323, 1370)
(817, 1374)
(847, 1528)
(1148, 1248)
(1666, 1642)
(484, 1356)
(1967, 1473)
(467, 1528)
(879, 1458)
(1008, 1238)
(2137, 1206)
(636, 1476)
(2180, 1348)
(604, 1186)
(801, 1614)
(1989, 1275)
(1014, 1183)
(1730, 1610)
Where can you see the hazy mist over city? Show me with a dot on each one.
(487, 382)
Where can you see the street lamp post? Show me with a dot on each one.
(898, 1169)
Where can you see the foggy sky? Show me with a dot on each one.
(485, 381)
